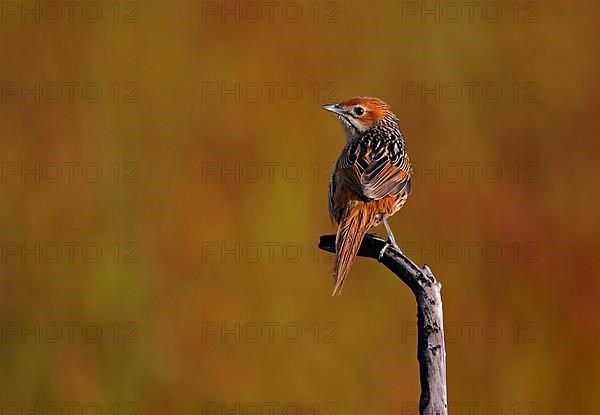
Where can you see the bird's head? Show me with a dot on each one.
(359, 114)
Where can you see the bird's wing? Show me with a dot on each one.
(374, 172)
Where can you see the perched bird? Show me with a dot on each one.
(371, 180)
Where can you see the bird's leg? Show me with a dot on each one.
(391, 238)
(382, 252)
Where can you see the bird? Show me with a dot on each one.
(371, 180)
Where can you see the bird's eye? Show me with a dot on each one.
(359, 111)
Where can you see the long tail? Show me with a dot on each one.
(354, 224)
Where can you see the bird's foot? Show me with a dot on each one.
(395, 245)
(388, 244)
(382, 252)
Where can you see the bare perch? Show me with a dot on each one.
(431, 350)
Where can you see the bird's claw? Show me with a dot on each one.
(382, 252)
(396, 247)
(385, 247)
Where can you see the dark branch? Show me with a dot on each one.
(431, 350)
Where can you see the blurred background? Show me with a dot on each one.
(164, 185)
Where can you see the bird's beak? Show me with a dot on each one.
(335, 108)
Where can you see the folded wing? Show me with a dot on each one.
(375, 171)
